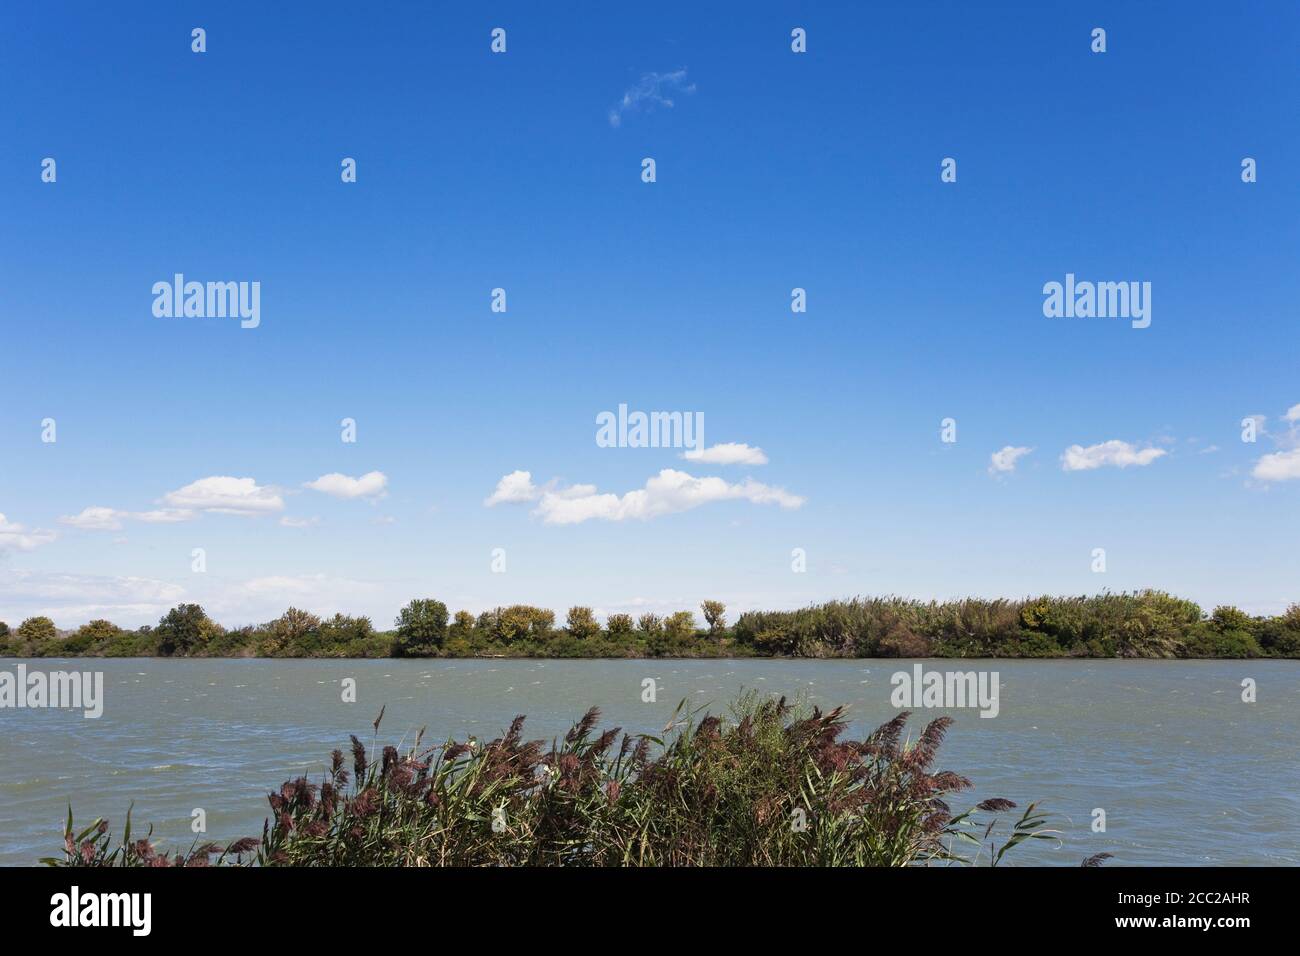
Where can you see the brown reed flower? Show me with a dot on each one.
(454, 751)
(883, 741)
(583, 727)
(926, 748)
(358, 758)
(366, 803)
(605, 741)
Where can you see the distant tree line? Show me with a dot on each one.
(1140, 624)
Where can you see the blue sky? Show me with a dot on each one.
(775, 170)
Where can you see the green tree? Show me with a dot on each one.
(36, 631)
(288, 630)
(185, 630)
(715, 615)
(650, 624)
(581, 623)
(619, 625)
(92, 638)
(421, 628)
(344, 636)
(462, 627)
(1227, 618)
(520, 622)
(342, 628)
(680, 626)
(1281, 635)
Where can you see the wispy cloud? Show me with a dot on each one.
(653, 90)
(290, 522)
(100, 518)
(75, 598)
(1004, 461)
(517, 488)
(95, 519)
(1113, 453)
(1281, 465)
(16, 537)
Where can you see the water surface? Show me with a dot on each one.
(1186, 772)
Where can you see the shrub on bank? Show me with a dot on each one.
(1140, 624)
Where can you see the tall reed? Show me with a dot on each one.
(773, 785)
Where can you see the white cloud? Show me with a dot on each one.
(295, 585)
(728, 453)
(653, 89)
(16, 537)
(95, 519)
(668, 492)
(261, 599)
(72, 599)
(1279, 466)
(99, 518)
(1115, 453)
(513, 488)
(225, 495)
(289, 521)
(1001, 462)
(373, 484)
(1291, 437)
(553, 489)
(163, 516)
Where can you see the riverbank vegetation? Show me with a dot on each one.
(1139, 624)
(774, 785)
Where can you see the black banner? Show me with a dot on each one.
(154, 905)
